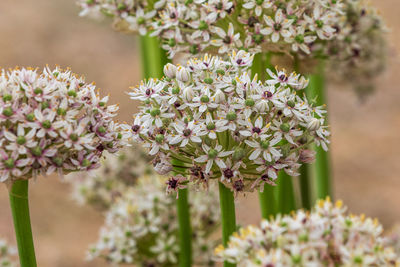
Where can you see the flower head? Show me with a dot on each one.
(393, 239)
(327, 236)
(359, 53)
(53, 121)
(200, 26)
(212, 117)
(141, 227)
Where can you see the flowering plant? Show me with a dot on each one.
(141, 227)
(214, 121)
(7, 254)
(103, 186)
(53, 122)
(349, 33)
(257, 25)
(358, 54)
(325, 237)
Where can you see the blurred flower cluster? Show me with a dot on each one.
(349, 33)
(360, 51)
(141, 227)
(102, 187)
(206, 25)
(7, 254)
(213, 121)
(325, 237)
(393, 239)
(53, 122)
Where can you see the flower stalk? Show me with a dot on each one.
(285, 193)
(185, 233)
(306, 191)
(153, 57)
(228, 217)
(267, 202)
(20, 211)
(321, 167)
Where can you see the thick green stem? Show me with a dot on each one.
(321, 167)
(185, 232)
(153, 57)
(20, 211)
(285, 193)
(228, 218)
(305, 187)
(267, 202)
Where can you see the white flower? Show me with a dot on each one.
(186, 133)
(279, 26)
(258, 4)
(226, 39)
(326, 233)
(213, 155)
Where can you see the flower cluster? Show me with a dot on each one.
(358, 54)
(211, 120)
(325, 237)
(350, 33)
(393, 239)
(220, 25)
(53, 122)
(7, 254)
(141, 227)
(103, 186)
(129, 15)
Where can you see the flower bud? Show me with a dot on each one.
(314, 124)
(188, 94)
(182, 74)
(307, 156)
(219, 97)
(238, 154)
(170, 70)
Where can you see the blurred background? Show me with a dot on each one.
(365, 141)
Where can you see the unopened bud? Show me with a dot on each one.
(314, 124)
(170, 70)
(182, 74)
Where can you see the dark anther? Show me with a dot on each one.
(238, 185)
(228, 173)
(256, 130)
(187, 132)
(227, 40)
(135, 128)
(172, 183)
(252, 21)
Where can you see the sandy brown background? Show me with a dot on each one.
(365, 142)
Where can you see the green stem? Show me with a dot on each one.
(285, 193)
(153, 57)
(321, 167)
(267, 202)
(305, 187)
(185, 232)
(228, 218)
(20, 211)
